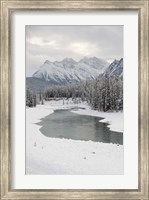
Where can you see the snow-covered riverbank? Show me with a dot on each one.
(114, 119)
(64, 156)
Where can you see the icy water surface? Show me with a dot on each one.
(65, 124)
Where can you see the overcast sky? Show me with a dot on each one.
(58, 42)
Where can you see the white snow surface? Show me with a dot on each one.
(45, 155)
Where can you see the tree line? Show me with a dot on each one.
(101, 94)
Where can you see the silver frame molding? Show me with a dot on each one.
(7, 7)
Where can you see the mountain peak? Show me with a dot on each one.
(85, 58)
(47, 62)
(68, 60)
(116, 68)
(92, 59)
(121, 60)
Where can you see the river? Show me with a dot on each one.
(68, 125)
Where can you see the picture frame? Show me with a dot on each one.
(7, 7)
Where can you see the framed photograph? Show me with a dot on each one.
(74, 99)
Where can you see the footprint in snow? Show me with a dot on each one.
(93, 152)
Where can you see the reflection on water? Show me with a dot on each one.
(65, 124)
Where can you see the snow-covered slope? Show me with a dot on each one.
(68, 70)
(115, 68)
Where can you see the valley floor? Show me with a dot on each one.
(45, 155)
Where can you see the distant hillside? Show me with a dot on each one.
(36, 84)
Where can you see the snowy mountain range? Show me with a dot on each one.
(70, 71)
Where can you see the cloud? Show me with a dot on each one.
(58, 42)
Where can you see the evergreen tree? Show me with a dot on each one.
(30, 98)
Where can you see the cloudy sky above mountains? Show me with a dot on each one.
(58, 42)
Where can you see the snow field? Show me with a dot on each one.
(46, 155)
